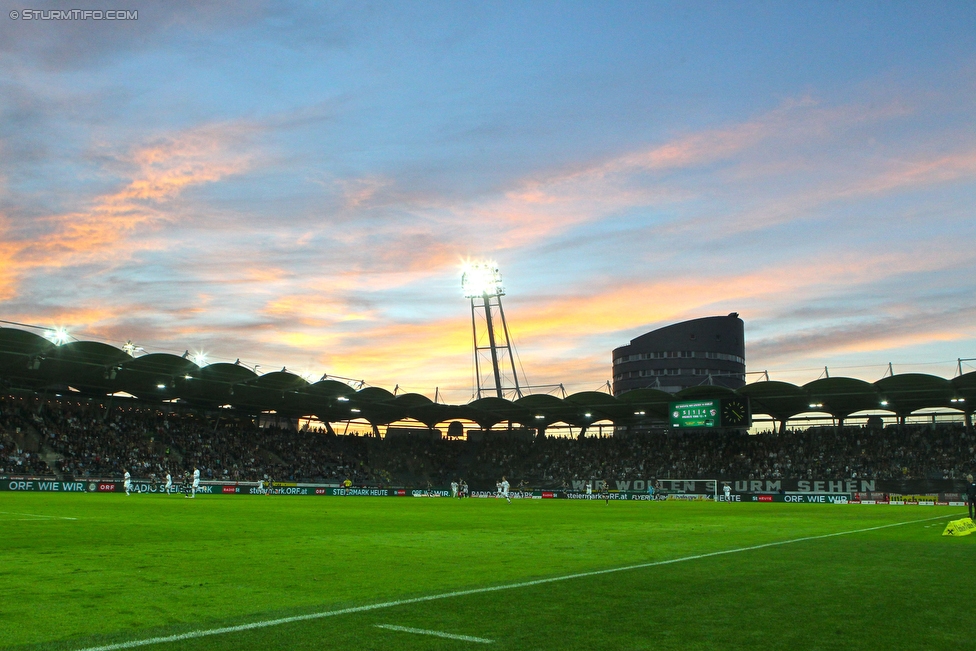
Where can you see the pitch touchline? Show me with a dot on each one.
(462, 593)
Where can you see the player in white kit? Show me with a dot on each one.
(169, 482)
(127, 482)
(505, 486)
(196, 481)
(728, 493)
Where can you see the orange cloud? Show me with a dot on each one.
(104, 231)
(8, 268)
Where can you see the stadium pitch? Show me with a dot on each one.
(156, 572)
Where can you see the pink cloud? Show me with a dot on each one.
(104, 231)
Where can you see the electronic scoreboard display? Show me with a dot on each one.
(711, 413)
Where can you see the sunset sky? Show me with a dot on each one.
(297, 185)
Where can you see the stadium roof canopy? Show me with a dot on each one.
(28, 361)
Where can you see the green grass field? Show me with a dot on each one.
(83, 571)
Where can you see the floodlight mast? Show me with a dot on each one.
(482, 285)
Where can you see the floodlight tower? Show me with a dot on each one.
(482, 285)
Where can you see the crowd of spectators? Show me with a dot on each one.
(16, 441)
(81, 439)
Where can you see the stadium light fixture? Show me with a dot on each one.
(539, 417)
(342, 399)
(884, 403)
(160, 386)
(481, 279)
(588, 415)
(639, 413)
(57, 336)
(200, 359)
(816, 405)
(354, 410)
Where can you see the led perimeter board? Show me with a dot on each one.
(711, 414)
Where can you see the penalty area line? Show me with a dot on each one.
(190, 635)
(420, 631)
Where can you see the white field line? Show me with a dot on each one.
(34, 515)
(420, 631)
(462, 593)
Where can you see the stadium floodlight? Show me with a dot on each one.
(57, 336)
(540, 417)
(160, 386)
(481, 284)
(481, 279)
(816, 405)
(342, 399)
(588, 415)
(354, 410)
(884, 403)
(200, 359)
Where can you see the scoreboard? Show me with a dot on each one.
(711, 413)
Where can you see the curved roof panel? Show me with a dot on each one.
(432, 413)
(279, 391)
(965, 386)
(20, 356)
(600, 406)
(842, 396)
(909, 392)
(92, 353)
(224, 373)
(408, 400)
(22, 342)
(87, 365)
(159, 364)
(542, 410)
(215, 384)
(419, 407)
(330, 389)
(489, 411)
(374, 394)
(154, 377)
(781, 400)
(704, 392)
(279, 381)
(652, 402)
